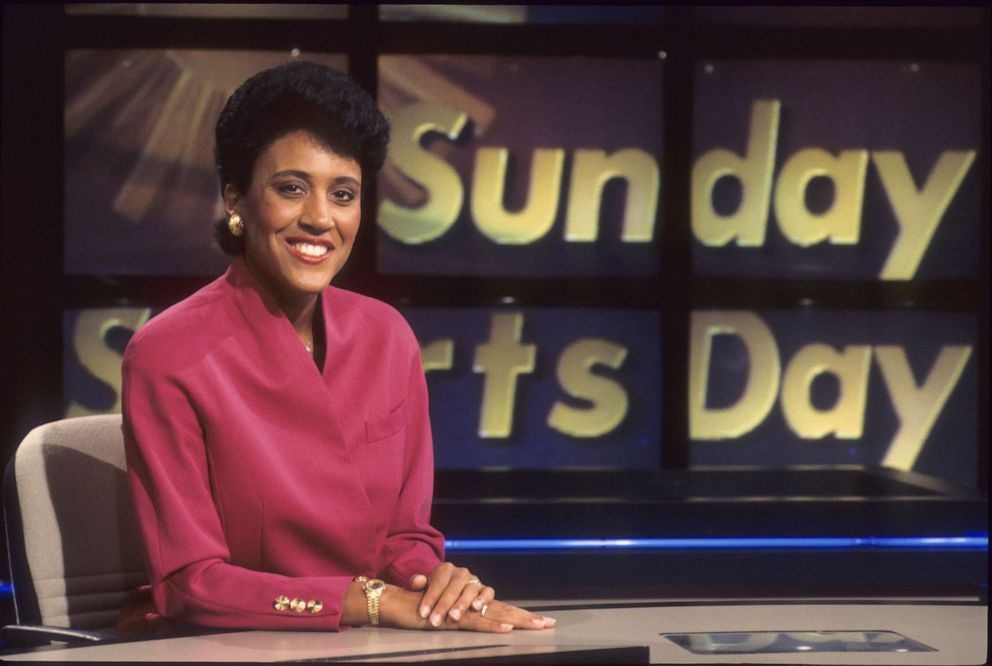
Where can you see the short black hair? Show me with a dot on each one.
(298, 95)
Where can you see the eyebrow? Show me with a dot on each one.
(306, 176)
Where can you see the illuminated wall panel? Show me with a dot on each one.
(828, 387)
(141, 190)
(506, 166)
(861, 170)
(542, 387)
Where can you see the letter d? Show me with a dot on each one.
(747, 224)
(762, 378)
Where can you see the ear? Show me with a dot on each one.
(231, 198)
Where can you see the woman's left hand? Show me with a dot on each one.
(449, 591)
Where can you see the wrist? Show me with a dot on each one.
(373, 589)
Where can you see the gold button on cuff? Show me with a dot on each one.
(298, 605)
(281, 603)
(315, 605)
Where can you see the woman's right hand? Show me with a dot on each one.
(399, 608)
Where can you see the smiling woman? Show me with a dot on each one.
(276, 427)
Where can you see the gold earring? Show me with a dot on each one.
(235, 224)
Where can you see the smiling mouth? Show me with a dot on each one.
(309, 251)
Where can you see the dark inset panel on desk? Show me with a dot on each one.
(795, 642)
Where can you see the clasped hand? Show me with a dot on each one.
(450, 597)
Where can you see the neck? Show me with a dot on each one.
(298, 307)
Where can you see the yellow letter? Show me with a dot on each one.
(89, 340)
(763, 374)
(747, 224)
(444, 187)
(917, 407)
(608, 398)
(536, 219)
(591, 170)
(502, 359)
(846, 418)
(438, 355)
(842, 222)
(917, 211)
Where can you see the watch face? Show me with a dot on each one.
(375, 584)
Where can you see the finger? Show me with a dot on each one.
(474, 621)
(468, 596)
(418, 581)
(518, 617)
(485, 597)
(456, 585)
(437, 581)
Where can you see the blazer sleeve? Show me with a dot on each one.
(413, 546)
(192, 578)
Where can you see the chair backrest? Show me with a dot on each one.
(72, 537)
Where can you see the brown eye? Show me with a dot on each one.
(291, 189)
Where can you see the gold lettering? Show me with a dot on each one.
(591, 170)
(917, 406)
(537, 217)
(918, 212)
(438, 355)
(501, 359)
(841, 224)
(89, 341)
(846, 418)
(609, 399)
(763, 374)
(443, 184)
(747, 224)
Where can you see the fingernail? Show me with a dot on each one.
(539, 621)
(506, 627)
(455, 613)
(424, 610)
(436, 620)
(550, 622)
(477, 604)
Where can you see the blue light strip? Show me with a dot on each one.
(978, 542)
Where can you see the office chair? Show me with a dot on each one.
(72, 537)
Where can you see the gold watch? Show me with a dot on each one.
(372, 587)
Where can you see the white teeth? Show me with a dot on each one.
(310, 250)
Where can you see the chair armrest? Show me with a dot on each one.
(36, 634)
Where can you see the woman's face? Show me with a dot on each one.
(301, 214)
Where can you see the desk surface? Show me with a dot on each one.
(956, 629)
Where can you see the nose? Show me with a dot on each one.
(317, 217)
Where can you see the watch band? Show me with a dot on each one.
(372, 587)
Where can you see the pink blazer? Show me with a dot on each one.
(259, 480)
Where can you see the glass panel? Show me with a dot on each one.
(542, 388)
(211, 10)
(558, 14)
(503, 166)
(777, 388)
(140, 185)
(885, 17)
(827, 170)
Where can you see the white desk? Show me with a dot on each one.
(955, 629)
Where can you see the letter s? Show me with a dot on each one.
(609, 398)
(443, 184)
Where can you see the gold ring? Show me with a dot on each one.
(485, 607)
(473, 580)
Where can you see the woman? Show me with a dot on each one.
(277, 433)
